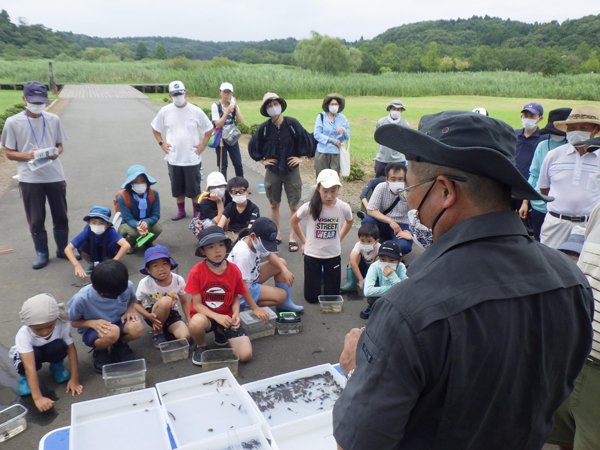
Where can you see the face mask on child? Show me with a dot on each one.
(220, 192)
(238, 198)
(139, 188)
(260, 248)
(97, 229)
(383, 265)
(367, 248)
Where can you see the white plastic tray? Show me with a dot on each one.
(314, 433)
(247, 438)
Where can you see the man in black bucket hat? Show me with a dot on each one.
(485, 338)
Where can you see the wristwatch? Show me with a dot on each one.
(160, 143)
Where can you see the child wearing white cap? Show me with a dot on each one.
(44, 337)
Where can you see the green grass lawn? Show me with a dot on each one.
(363, 113)
(9, 98)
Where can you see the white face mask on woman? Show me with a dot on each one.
(139, 188)
(274, 111)
(333, 109)
(35, 109)
(179, 100)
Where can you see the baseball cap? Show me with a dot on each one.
(328, 178)
(481, 111)
(176, 88)
(215, 179)
(42, 308)
(35, 92)
(391, 249)
(154, 253)
(534, 108)
(266, 230)
(98, 211)
(226, 86)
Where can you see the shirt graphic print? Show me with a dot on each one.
(326, 227)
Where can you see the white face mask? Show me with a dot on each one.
(333, 109)
(139, 188)
(97, 229)
(274, 111)
(574, 137)
(238, 198)
(383, 265)
(396, 186)
(557, 138)
(219, 191)
(35, 109)
(179, 100)
(395, 114)
(260, 248)
(367, 248)
(529, 124)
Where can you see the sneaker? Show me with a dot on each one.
(158, 339)
(365, 313)
(361, 214)
(59, 372)
(180, 215)
(121, 352)
(220, 339)
(197, 356)
(24, 386)
(101, 358)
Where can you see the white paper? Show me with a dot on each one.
(45, 152)
(36, 164)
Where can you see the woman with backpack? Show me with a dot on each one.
(225, 114)
(331, 130)
(281, 144)
(139, 206)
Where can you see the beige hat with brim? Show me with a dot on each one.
(580, 114)
(340, 99)
(269, 96)
(42, 308)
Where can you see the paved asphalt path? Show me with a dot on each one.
(106, 136)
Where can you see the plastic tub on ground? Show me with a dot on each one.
(220, 358)
(12, 421)
(174, 350)
(256, 328)
(331, 303)
(288, 323)
(125, 376)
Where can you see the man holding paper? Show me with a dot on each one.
(34, 139)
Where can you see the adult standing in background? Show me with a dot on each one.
(226, 112)
(281, 144)
(180, 122)
(24, 133)
(386, 155)
(331, 129)
(553, 138)
(528, 137)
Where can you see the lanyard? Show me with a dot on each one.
(39, 144)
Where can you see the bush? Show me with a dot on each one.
(16, 109)
(253, 128)
(356, 173)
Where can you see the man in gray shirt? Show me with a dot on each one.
(23, 134)
(386, 155)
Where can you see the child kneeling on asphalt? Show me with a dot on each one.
(215, 285)
(362, 256)
(382, 275)
(44, 337)
(104, 315)
(157, 296)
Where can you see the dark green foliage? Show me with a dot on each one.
(141, 51)
(160, 52)
(16, 109)
(356, 173)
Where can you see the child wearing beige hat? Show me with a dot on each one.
(44, 337)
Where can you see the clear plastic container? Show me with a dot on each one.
(12, 421)
(256, 328)
(219, 358)
(174, 350)
(125, 376)
(331, 303)
(261, 189)
(288, 323)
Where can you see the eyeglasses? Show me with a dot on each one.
(237, 192)
(404, 192)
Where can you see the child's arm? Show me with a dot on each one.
(347, 227)
(235, 317)
(283, 270)
(185, 305)
(73, 384)
(223, 222)
(256, 310)
(295, 221)
(42, 403)
(79, 271)
(354, 262)
(123, 250)
(370, 290)
(221, 319)
(151, 317)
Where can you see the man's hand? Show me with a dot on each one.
(348, 356)
(74, 387)
(43, 404)
(200, 148)
(101, 326)
(261, 314)
(404, 234)
(268, 162)
(166, 147)
(524, 210)
(395, 228)
(387, 271)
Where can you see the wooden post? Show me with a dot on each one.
(52, 84)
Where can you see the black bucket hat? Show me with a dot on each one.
(554, 116)
(464, 140)
(210, 235)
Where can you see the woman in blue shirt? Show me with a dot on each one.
(331, 129)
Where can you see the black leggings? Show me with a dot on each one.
(332, 274)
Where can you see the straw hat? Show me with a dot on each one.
(267, 98)
(580, 114)
(340, 99)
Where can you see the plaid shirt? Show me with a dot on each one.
(383, 198)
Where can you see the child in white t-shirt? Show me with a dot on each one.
(362, 256)
(157, 296)
(44, 337)
(324, 232)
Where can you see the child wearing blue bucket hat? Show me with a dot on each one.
(139, 206)
(97, 242)
(157, 296)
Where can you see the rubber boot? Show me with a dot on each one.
(351, 281)
(288, 305)
(24, 386)
(61, 237)
(59, 372)
(40, 242)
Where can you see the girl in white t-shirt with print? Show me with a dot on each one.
(324, 233)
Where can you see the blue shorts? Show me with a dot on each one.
(90, 335)
(254, 292)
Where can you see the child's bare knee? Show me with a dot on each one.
(245, 355)
(134, 329)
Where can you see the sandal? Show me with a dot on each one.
(293, 246)
(278, 241)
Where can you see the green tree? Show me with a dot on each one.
(446, 64)
(188, 54)
(122, 50)
(160, 52)
(326, 54)
(141, 51)
(96, 53)
(431, 61)
(592, 64)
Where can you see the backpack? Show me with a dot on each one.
(127, 198)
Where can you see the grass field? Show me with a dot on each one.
(10, 98)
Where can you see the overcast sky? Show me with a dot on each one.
(255, 20)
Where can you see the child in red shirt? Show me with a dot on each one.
(214, 285)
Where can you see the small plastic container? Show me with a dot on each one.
(218, 358)
(174, 350)
(331, 303)
(256, 328)
(261, 189)
(125, 376)
(288, 323)
(12, 421)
